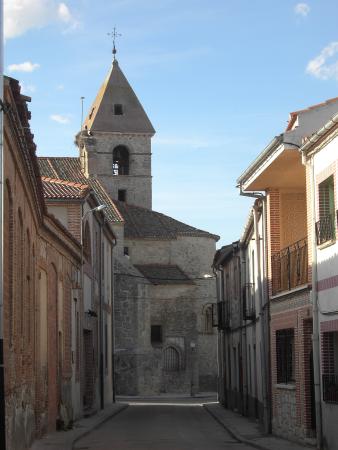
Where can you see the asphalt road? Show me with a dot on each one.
(161, 426)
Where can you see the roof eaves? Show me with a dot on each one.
(306, 147)
(263, 156)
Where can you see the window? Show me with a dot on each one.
(118, 109)
(171, 359)
(156, 334)
(207, 319)
(330, 366)
(86, 242)
(325, 227)
(122, 195)
(285, 351)
(126, 251)
(120, 160)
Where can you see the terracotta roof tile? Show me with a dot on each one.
(62, 189)
(70, 169)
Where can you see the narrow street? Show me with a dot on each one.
(166, 425)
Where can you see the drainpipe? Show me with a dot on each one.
(315, 313)
(262, 310)
(2, 367)
(112, 284)
(243, 332)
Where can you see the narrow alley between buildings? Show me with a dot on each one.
(169, 424)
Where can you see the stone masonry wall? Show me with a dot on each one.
(99, 150)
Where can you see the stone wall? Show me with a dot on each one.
(98, 154)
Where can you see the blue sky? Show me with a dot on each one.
(217, 79)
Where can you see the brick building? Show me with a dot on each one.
(321, 163)
(41, 262)
(278, 177)
(76, 206)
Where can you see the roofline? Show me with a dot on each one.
(305, 148)
(268, 151)
(294, 114)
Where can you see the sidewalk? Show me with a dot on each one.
(64, 440)
(248, 431)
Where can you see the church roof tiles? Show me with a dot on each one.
(70, 169)
(164, 274)
(144, 223)
(140, 223)
(116, 107)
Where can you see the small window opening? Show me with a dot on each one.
(126, 251)
(118, 109)
(122, 195)
(120, 160)
(156, 334)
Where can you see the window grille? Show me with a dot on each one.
(171, 359)
(329, 366)
(285, 355)
(326, 227)
(290, 267)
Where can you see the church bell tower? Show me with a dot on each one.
(115, 141)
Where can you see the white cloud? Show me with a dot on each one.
(23, 15)
(302, 9)
(63, 120)
(27, 88)
(26, 66)
(60, 87)
(320, 68)
(64, 13)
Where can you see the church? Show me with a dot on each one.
(164, 340)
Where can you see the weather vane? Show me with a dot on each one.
(114, 35)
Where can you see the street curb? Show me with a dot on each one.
(98, 424)
(235, 435)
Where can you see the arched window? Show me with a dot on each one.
(207, 319)
(171, 359)
(120, 160)
(87, 248)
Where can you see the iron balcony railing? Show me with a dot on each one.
(290, 267)
(326, 229)
(330, 388)
(220, 315)
(249, 307)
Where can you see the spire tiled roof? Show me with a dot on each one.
(61, 189)
(131, 117)
(70, 169)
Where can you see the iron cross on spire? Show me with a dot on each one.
(114, 35)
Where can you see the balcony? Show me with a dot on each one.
(326, 229)
(330, 388)
(290, 267)
(249, 307)
(220, 315)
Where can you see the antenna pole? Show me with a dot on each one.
(81, 125)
